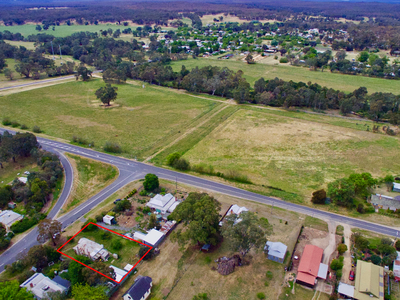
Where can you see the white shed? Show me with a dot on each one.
(108, 219)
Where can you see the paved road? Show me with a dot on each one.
(133, 170)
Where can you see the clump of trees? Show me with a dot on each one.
(151, 182)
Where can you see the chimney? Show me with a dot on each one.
(31, 284)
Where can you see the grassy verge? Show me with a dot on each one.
(92, 177)
(316, 224)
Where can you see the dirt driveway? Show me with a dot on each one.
(347, 256)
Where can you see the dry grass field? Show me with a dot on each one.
(291, 154)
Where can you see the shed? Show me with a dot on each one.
(276, 251)
(109, 220)
(396, 187)
(119, 273)
(152, 238)
(346, 289)
(12, 205)
(206, 248)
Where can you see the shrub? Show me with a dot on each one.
(172, 158)
(133, 192)
(360, 208)
(36, 129)
(397, 245)
(284, 60)
(116, 244)
(339, 274)
(336, 264)
(6, 122)
(106, 235)
(90, 227)
(319, 197)
(143, 193)
(146, 210)
(112, 147)
(81, 141)
(122, 206)
(143, 250)
(376, 260)
(99, 218)
(236, 176)
(269, 275)
(15, 124)
(342, 248)
(23, 126)
(261, 296)
(151, 182)
(181, 164)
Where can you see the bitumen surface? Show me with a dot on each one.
(130, 170)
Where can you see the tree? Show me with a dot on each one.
(150, 182)
(9, 74)
(243, 232)
(172, 158)
(337, 264)
(397, 245)
(123, 205)
(107, 94)
(75, 275)
(340, 55)
(10, 290)
(49, 229)
(152, 221)
(84, 292)
(55, 296)
(38, 28)
(259, 86)
(6, 195)
(342, 248)
(114, 76)
(181, 164)
(318, 197)
(376, 260)
(4, 242)
(362, 183)
(388, 180)
(342, 192)
(93, 278)
(199, 212)
(363, 56)
(249, 59)
(40, 256)
(143, 250)
(83, 72)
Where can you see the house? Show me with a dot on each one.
(396, 268)
(369, 281)
(396, 187)
(163, 204)
(346, 290)
(385, 202)
(152, 238)
(40, 285)
(91, 249)
(310, 266)
(8, 217)
(233, 209)
(109, 220)
(140, 290)
(276, 251)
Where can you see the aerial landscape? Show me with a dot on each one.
(199, 150)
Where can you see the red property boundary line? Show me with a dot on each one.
(58, 250)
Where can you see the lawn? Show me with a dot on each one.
(294, 155)
(13, 170)
(65, 30)
(27, 45)
(93, 176)
(347, 83)
(126, 255)
(138, 121)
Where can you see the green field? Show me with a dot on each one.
(138, 121)
(13, 170)
(65, 30)
(294, 155)
(347, 83)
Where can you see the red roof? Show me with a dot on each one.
(309, 264)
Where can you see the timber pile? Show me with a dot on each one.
(226, 265)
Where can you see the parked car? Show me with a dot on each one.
(351, 275)
(115, 202)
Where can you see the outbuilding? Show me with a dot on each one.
(276, 251)
(109, 220)
(152, 238)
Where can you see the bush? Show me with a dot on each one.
(236, 176)
(36, 129)
(6, 122)
(143, 193)
(269, 275)
(23, 126)
(397, 245)
(81, 141)
(151, 182)
(99, 218)
(15, 124)
(181, 164)
(284, 60)
(261, 296)
(133, 192)
(143, 250)
(106, 235)
(360, 208)
(146, 210)
(342, 248)
(116, 244)
(112, 147)
(336, 264)
(122, 205)
(376, 260)
(319, 197)
(172, 158)
(339, 274)
(27, 223)
(90, 227)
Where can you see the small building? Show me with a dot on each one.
(12, 205)
(396, 187)
(396, 268)
(310, 266)
(109, 220)
(8, 217)
(205, 248)
(385, 202)
(152, 238)
(276, 251)
(163, 204)
(119, 273)
(40, 285)
(346, 290)
(233, 209)
(368, 281)
(140, 290)
(91, 249)
(168, 227)
(24, 180)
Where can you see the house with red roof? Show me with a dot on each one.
(310, 267)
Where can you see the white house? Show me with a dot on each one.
(396, 187)
(40, 285)
(91, 249)
(233, 209)
(163, 204)
(152, 238)
(8, 217)
(276, 251)
(140, 290)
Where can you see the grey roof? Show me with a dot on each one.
(386, 201)
(140, 287)
(276, 249)
(64, 282)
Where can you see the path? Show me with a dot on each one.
(347, 255)
(186, 133)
